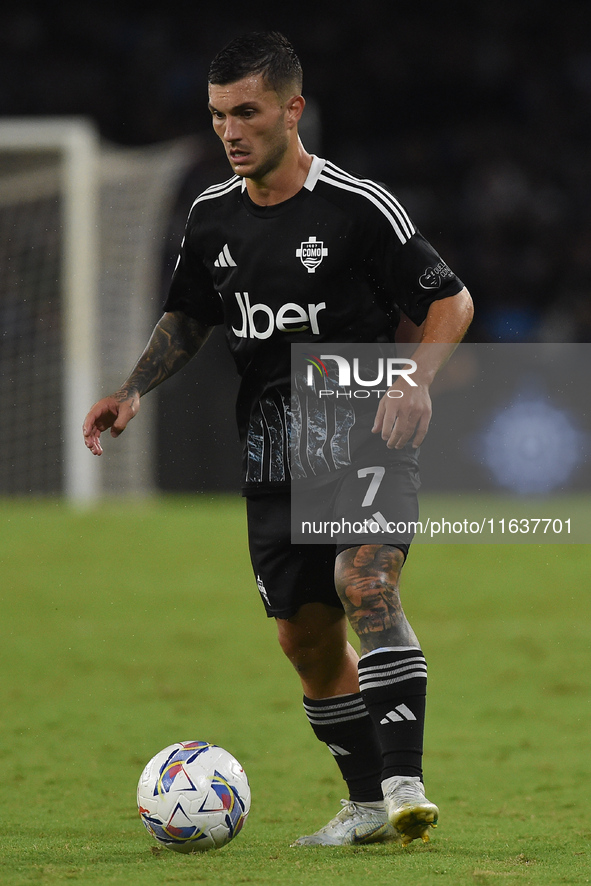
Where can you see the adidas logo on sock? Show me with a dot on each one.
(337, 751)
(400, 712)
(224, 259)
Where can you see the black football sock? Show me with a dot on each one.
(344, 724)
(393, 684)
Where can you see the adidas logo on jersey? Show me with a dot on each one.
(224, 259)
(400, 712)
(290, 317)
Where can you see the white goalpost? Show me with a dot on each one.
(82, 230)
(75, 145)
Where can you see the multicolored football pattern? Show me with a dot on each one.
(193, 796)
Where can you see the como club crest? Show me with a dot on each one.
(311, 252)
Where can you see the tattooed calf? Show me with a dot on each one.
(367, 580)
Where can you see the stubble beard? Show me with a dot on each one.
(275, 154)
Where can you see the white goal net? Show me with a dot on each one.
(82, 234)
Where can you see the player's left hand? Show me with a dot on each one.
(401, 419)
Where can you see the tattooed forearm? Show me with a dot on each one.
(174, 341)
(367, 582)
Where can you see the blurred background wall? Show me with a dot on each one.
(477, 115)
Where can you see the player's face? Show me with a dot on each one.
(253, 124)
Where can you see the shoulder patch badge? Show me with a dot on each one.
(432, 278)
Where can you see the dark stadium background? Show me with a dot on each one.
(477, 115)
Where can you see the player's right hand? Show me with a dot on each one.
(114, 412)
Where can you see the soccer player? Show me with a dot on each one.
(293, 249)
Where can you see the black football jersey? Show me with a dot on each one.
(335, 263)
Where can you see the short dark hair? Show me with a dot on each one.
(267, 52)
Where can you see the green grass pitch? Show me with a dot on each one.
(131, 626)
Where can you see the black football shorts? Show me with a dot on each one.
(289, 575)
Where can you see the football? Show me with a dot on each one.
(193, 796)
